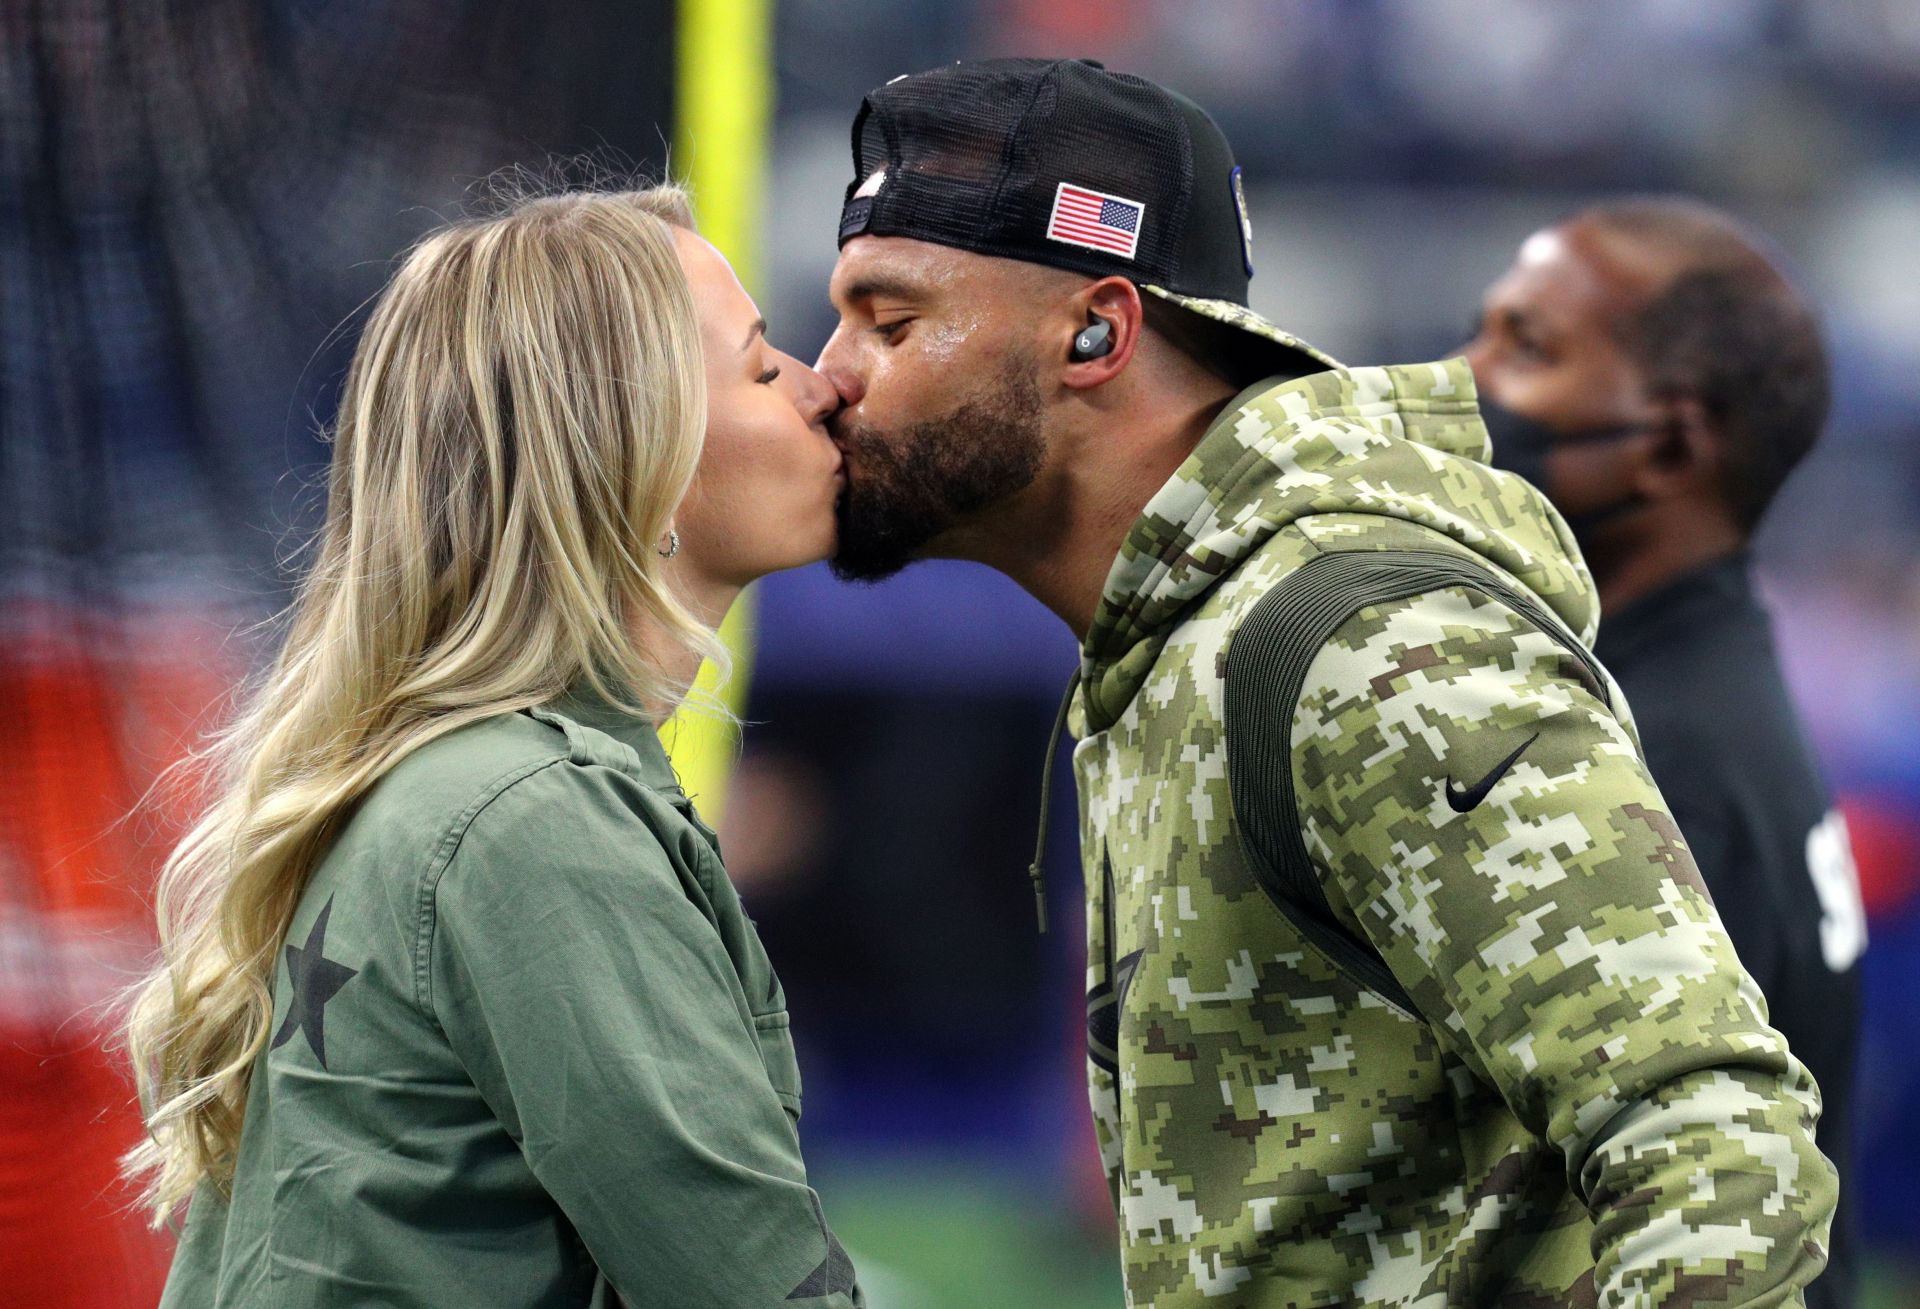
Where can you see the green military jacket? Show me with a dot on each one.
(527, 1051)
(1404, 989)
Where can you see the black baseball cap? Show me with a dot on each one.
(1060, 162)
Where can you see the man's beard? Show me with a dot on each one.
(907, 488)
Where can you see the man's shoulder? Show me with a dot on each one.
(1341, 545)
(1256, 604)
(1243, 650)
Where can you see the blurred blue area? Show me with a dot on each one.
(1889, 1086)
(958, 626)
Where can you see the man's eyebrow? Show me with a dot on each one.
(759, 328)
(881, 285)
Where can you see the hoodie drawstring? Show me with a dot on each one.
(1037, 870)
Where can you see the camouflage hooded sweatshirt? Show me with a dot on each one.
(1404, 989)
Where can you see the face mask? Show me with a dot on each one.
(1520, 445)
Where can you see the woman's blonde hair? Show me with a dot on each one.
(521, 418)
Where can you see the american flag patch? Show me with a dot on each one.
(1108, 223)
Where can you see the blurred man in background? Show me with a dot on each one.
(1402, 989)
(1649, 367)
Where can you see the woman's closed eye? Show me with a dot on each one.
(769, 375)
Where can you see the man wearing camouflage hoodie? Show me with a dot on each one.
(1403, 987)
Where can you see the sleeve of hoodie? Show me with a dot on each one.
(576, 971)
(1559, 939)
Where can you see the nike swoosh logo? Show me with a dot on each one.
(1104, 1003)
(1461, 801)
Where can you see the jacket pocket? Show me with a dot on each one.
(774, 1031)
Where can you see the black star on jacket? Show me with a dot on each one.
(315, 979)
(834, 1276)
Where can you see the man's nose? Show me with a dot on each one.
(833, 365)
(819, 398)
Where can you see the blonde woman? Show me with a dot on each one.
(456, 1005)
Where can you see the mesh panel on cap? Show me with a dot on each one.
(975, 153)
(944, 138)
(1128, 143)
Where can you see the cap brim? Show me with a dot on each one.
(1290, 353)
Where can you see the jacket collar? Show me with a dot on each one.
(589, 708)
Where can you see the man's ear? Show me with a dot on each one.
(1686, 454)
(1114, 301)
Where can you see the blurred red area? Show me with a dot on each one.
(1886, 848)
(94, 709)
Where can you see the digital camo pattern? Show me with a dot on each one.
(1240, 316)
(1404, 444)
(1589, 1107)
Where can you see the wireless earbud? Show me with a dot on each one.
(1094, 340)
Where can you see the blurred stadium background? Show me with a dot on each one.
(194, 198)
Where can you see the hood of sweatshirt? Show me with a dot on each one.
(1404, 441)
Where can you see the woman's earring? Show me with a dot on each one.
(673, 544)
